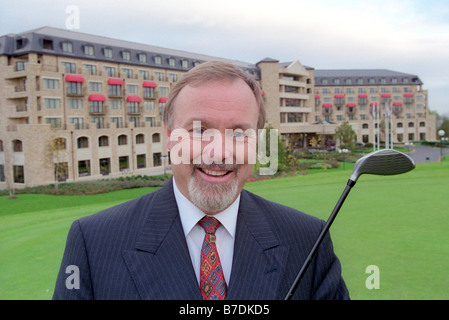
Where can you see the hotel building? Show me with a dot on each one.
(75, 106)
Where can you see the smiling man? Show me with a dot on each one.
(201, 236)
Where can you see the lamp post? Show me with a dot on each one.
(441, 133)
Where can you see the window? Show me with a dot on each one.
(96, 106)
(141, 161)
(52, 103)
(128, 73)
(145, 74)
(74, 88)
(156, 137)
(117, 121)
(2, 172)
(142, 57)
(84, 168)
(123, 163)
(99, 122)
(110, 71)
(95, 86)
(69, 67)
(411, 124)
(103, 141)
(126, 55)
(171, 62)
(1, 145)
(19, 175)
(116, 104)
(185, 64)
(107, 52)
(173, 77)
(105, 166)
(92, 69)
(158, 60)
(115, 90)
(51, 84)
(67, 47)
(88, 50)
(82, 142)
(131, 89)
(78, 122)
(122, 140)
(159, 76)
(17, 146)
(157, 162)
(54, 122)
(163, 91)
(75, 103)
(148, 92)
(47, 44)
(140, 138)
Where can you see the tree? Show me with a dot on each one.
(346, 136)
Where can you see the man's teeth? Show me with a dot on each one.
(214, 173)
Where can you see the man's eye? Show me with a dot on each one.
(198, 131)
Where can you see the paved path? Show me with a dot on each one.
(423, 154)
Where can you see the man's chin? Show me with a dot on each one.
(210, 197)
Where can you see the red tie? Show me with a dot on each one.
(212, 283)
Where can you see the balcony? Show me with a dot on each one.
(98, 109)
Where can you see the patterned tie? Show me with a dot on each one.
(212, 283)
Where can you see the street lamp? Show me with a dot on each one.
(441, 134)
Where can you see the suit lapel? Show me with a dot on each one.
(160, 265)
(258, 257)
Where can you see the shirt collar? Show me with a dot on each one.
(191, 214)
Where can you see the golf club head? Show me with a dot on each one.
(382, 162)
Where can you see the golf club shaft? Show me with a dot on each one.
(323, 233)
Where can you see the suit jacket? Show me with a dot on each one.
(137, 250)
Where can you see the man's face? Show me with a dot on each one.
(210, 119)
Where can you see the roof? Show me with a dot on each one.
(379, 76)
(33, 38)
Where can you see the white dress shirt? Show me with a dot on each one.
(225, 234)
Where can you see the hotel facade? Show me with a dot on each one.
(75, 106)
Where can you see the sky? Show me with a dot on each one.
(410, 36)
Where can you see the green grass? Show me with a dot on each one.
(397, 223)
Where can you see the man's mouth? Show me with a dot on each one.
(216, 173)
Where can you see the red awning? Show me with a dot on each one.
(327, 105)
(149, 84)
(339, 96)
(115, 81)
(386, 95)
(133, 99)
(162, 99)
(317, 96)
(74, 78)
(97, 97)
(408, 94)
(373, 104)
(363, 95)
(397, 104)
(351, 105)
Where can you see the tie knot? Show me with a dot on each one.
(209, 224)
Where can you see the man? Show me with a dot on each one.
(158, 247)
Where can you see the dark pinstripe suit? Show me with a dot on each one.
(137, 250)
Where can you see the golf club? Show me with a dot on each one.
(381, 162)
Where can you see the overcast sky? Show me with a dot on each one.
(410, 36)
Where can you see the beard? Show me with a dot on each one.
(211, 197)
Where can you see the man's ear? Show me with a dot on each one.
(167, 136)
